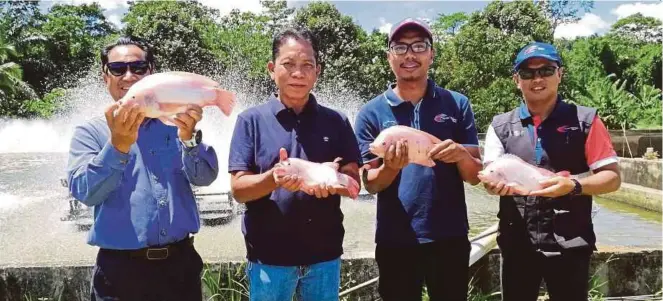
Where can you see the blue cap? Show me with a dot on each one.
(537, 49)
(410, 23)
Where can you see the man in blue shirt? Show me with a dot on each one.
(293, 238)
(422, 223)
(137, 173)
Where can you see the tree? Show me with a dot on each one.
(277, 12)
(12, 88)
(564, 11)
(177, 31)
(638, 28)
(447, 26)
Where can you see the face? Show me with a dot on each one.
(295, 70)
(410, 66)
(117, 82)
(541, 85)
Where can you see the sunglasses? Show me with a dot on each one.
(527, 73)
(417, 47)
(120, 68)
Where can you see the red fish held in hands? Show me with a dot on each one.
(316, 174)
(163, 95)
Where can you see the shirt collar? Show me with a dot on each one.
(394, 101)
(276, 106)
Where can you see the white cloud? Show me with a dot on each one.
(588, 25)
(648, 10)
(115, 19)
(385, 27)
(105, 4)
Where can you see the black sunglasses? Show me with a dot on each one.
(120, 68)
(527, 73)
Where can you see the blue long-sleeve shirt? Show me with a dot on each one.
(142, 198)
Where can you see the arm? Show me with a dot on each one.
(94, 171)
(377, 176)
(604, 180)
(201, 165)
(470, 166)
(247, 186)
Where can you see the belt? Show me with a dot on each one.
(156, 253)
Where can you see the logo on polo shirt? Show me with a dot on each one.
(566, 128)
(325, 139)
(389, 123)
(443, 117)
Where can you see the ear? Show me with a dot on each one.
(516, 80)
(318, 68)
(105, 76)
(270, 69)
(561, 72)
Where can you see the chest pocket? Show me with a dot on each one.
(169, 156)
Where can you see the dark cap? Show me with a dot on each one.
(537, 49)
(410, 23)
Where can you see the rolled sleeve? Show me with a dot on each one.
(599, 151)
(201, 164)
(242, 147)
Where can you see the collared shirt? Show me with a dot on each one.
(142, 198)
(599, 150)
(422, 204)
(291, 228)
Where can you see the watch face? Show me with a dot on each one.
(199, 136)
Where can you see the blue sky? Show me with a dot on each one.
(381, 14)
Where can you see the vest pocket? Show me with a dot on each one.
(567, 230)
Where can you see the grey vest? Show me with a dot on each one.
(539, 223)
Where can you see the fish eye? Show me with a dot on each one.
(384, 143)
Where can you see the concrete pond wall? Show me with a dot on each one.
(624, 274)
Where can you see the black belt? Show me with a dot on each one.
(156, 253)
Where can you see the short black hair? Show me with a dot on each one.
(297, 33)
(129, 40)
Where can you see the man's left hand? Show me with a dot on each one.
(186, 122)
(448, 151)
(555, 187)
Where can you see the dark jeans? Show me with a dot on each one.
(117, 276)
(566, 275)
(442, 265)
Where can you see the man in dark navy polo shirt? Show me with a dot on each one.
(293, 238)
(549, 235)
(421, 216)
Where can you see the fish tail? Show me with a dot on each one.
(225, 100)
(353, 187)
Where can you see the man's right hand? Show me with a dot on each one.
(396, 156)
(123, 124)
(290, 182)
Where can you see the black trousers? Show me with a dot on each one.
(117, 276)
(566, 276)
(441, 265)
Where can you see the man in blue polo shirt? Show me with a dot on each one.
(137, 173)
(421, 216)
(293, 238)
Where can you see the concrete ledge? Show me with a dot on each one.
(639, 196)
(625, 273)
(643, 172)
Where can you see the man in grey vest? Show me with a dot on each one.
(548, 235)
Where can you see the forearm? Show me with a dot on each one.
(469, 169)
(201, 165)
(379, 179)
(92, 177)
(251, 187)
(604, 181)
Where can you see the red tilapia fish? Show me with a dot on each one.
(515, 172)
(163, 95)
(316, 174)
(419, 143)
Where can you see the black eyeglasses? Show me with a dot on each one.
(120, 68)
(401, 48)
(546, 71)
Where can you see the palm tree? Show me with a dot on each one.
(10, 72)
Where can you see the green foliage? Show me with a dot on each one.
(564, 11)
(229, 286)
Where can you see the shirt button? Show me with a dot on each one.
(162, 203)
(309, 221)
(155, 178)
(163, 232)
(152, 152)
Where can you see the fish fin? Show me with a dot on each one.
(429, 163)
(167, 120)
(225, 101)
(564, 173)
(349, 186)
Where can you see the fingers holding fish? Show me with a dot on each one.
(448, 151)
(396, 156)
(555, 187)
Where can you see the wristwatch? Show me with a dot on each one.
(577, 189)
(195, 139)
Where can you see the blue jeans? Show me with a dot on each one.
(316, 282)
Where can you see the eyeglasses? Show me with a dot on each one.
(417, 47)
(546, 71)
(120, 68)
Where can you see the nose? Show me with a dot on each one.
(128, 75)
